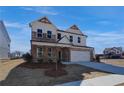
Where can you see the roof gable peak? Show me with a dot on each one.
(74, 27)
(44, 20)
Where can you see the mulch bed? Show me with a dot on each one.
(55, 73)
(41, 65)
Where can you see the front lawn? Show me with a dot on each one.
(34, 75)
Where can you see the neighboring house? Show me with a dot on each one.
(114, 52)
(48, 43)
(123, 54)
(4, 42)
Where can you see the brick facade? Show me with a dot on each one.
(65, 53)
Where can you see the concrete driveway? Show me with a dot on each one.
(109, 80)
(101, 66)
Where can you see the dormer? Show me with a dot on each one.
(74, 29)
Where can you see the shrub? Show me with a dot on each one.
(27, 57)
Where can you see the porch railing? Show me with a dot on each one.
(44, 37)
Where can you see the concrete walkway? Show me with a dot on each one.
(109, 80)
(101, 66)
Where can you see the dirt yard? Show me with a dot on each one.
(12, 74)
(116, 62)
(6, 67)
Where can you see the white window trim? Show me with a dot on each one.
(49, 34)
(38, 53)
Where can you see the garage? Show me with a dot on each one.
(80, 56)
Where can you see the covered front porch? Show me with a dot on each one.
(50, 53)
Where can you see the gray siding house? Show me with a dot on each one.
(114, 52)
(4, 42)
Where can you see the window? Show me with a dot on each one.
(118, 52)
(39, 52)
(49, 52)
(49, 34)
(8, 54)
(8, 45)
(79, 39)
(59, 36)
(71, 38)
(39, 32)
(106, 52)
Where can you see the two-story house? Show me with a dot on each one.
(48, 43)
(114, 52)
(4, 42)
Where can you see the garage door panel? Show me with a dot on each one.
(80, 56)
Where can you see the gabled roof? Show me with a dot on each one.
(74, 27)
(64, 39)
(113, 49)
(3, 29)
(44, 20)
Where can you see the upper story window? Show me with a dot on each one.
(49, 34)
(8, 45)
(71, 38)
(8, 54)
(39, 52)
(39, 32)
(79, 39)
(59, 36)
(118, 52)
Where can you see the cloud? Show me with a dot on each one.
(101, 40)
(13, 24)
(20, 36)
(42, 10)
(104, 22)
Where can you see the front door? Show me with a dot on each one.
(60, 56)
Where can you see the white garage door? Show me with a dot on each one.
(80, 56)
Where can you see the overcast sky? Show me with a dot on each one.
(103, 25)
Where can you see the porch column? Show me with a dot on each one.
(45, 54)
(56, 54)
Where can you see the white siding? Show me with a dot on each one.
(4, 53)
(74, 31)
(80, 56)
(75, 38)
(64, 40)
(45, 27)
